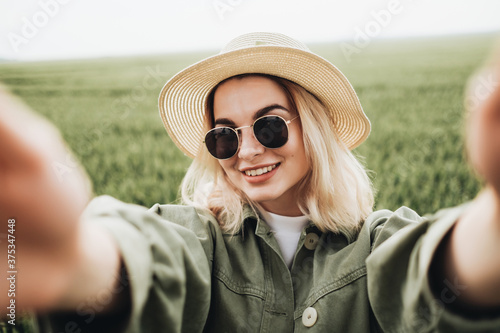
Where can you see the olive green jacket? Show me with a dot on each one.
(186, 275)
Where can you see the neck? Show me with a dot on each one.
(284, 210)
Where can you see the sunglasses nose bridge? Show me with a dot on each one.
(249, 145)
(239, 132)
(238, 129)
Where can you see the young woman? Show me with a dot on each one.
(277, 232)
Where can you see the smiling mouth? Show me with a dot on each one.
(260, 171)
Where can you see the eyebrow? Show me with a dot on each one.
(258, 114)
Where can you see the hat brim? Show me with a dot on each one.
(182, 99)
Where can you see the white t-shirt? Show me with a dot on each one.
(287, 231)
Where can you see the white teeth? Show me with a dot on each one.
(260, 171)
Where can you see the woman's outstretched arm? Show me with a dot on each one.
(471, 256)
(58, 260)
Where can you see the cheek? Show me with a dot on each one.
(298, 155)
(224, 165)
(227, 166)
(296, 142)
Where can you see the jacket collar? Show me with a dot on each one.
(252, 219)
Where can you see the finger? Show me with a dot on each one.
(35, 164)
(24, 135)
(483, 139)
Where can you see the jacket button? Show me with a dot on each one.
(311, 241)
(309, 317)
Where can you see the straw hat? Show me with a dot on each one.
(182, 99)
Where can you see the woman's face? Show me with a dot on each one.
(238, 102)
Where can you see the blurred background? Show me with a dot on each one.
(95, 69)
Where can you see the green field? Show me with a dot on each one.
(412, 90)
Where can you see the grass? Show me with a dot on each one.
(412, 91)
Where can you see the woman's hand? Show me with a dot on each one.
(472, 255)
(44, 190)
(40, 180)
(483, 127)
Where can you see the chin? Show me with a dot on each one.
(261, 197)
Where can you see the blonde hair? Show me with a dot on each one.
(336, 194)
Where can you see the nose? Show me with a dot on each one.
(249, 146)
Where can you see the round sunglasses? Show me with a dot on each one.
(271, 131)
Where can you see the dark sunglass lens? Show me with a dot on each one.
(271, 131)
(222, 142)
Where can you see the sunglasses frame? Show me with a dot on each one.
(235, 130)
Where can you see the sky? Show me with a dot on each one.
(32, 30)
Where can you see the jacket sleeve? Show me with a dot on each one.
(399, 288)
(165, 268)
